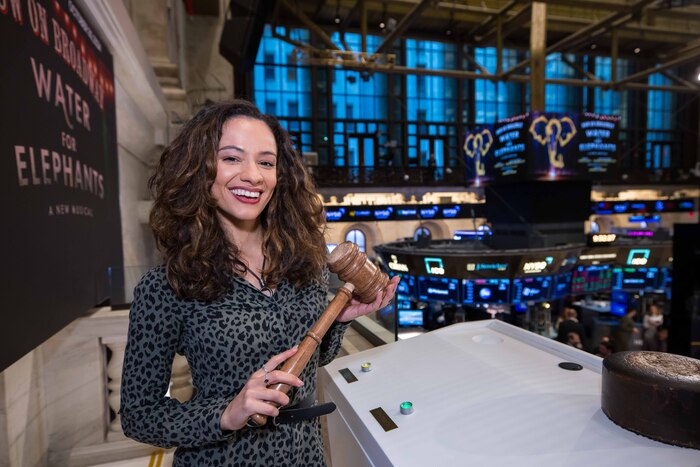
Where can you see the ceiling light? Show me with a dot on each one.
(382, 25)
(336, 20)
(637, 50)
(594, 46)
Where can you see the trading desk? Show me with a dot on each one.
(484, 393)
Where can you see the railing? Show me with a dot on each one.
(358, 176)
(361, 176)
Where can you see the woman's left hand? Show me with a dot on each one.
(356, 308)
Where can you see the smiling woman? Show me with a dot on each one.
(241, 230)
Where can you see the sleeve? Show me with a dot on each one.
(330, 345)
(147, 415)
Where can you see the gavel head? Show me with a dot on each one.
(352, 266)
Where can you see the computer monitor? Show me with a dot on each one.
(407, 286)
(440, 289)
(635, 278)
(561, 285)
(410, 318)
(486, 291)
(590, 279)
(531, 289)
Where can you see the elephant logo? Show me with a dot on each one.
(476, 146)
(553, 133)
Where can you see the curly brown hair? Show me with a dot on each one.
(200, 261)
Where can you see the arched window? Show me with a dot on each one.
(358, 237)
(422, 232)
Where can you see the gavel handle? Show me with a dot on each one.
(297, 362)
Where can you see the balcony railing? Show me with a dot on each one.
(387, 176)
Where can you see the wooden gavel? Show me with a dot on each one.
(362, 278)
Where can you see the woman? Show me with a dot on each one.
(653, 319)
(241, 231)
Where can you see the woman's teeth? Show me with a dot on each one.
(246, 193)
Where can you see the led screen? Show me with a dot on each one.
(590, 279)
(635, 278)
(561, 286)
(486, 290)
(531, 289)
(438, 289)
(410, 317)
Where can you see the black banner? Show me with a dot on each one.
(59, 171)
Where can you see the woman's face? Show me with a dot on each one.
(246, 173)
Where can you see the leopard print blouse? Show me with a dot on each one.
(224, 341)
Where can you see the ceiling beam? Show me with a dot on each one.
(405, 22)
(306, 21)
(585, 34)
(508, 25)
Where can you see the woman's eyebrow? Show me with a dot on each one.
(230, 147)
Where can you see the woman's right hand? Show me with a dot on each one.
(252, 398)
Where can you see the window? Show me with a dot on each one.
(358, 237)
(423, 232)
(558, 97)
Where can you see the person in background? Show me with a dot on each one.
(653, 319)
(660, 342)
(571, 324)
(604, 347)
(574, 340)
(625, 330)
(241, 230)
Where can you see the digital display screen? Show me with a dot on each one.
(486, 290)
(407, 286)
(554, 138)
(635, 278)
(666, 278)
(589, 279)
(510, 153)
(410, 317)
(619, 302)
(478, 150)
(561, 286)
(441, 289)
(531, 289)
(598, 145)
(403, 304)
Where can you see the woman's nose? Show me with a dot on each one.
(250, 172)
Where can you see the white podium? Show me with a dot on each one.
(484, 394)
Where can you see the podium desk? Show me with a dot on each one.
(484, 393)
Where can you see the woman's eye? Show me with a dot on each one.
(267, 164)
(231, 159)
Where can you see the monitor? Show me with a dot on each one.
(619, 302)
(440, 289)
(561, 285)
(635, 278)
(531, 289)
(666, 281)
(407, 287)
(410, 318)
(486, 291)
(590, 279)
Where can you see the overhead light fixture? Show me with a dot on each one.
(637, 50)
(336, 20)
(382, 25)
(594, 46)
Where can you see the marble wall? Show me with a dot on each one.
(53, 400)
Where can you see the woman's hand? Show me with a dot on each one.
(252, 398)
(356, 308)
